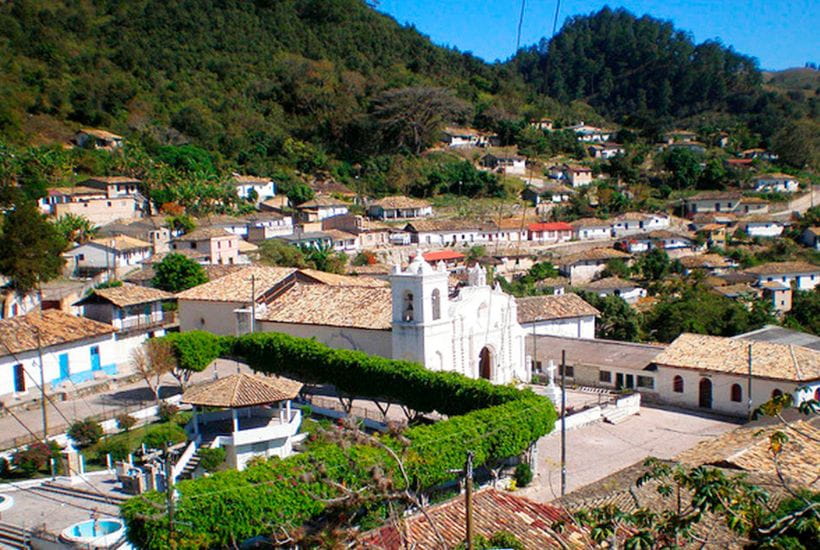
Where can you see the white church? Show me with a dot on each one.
(475, 333)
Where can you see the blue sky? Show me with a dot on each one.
(780, 33)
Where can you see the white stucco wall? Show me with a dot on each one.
(216, 317)
(575, 327)
(372, 342)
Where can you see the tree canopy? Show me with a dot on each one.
(177, 272)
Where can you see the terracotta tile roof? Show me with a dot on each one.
(590, 222)
(775, 176)
(704, 260)
(334, 279)
(76, 190)
(242, 390)
(187, 252)
(735, 290)
(448, 224)
(113, 180)
(515, 223)
(339, 235)
(19, 334)
(715, 353)
(600, 254)
(608, 283)
(577, 168)
(712, 227)
(321, 201)
(747, 448)
(550, 282)
(246, 248)
(330, 187)
(813, 230)
(121, 243)
(337, 306)
(400, 202)
(493, 511)
(715, 195)
(205, 234)
(238, 179)
(102, 134)
(783, 268)
(551, 226)
(442, 256)
(545, 308)
(236, 286)
(127, 295)
(753, 200)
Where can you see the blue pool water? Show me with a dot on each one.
(93, 528)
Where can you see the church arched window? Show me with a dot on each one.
(436, 299)
(408, 307)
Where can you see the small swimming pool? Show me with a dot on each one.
(6, 502)
(97, 533)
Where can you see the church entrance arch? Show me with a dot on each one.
(485, 363)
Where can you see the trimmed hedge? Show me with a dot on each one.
(495, 422)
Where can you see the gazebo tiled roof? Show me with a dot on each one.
(242, 390)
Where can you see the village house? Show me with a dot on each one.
(325, 186)
(802, 275)
(712, 373)
(550, 192)
(247, 415)
(661, 238)
(219, 245)
(455, 137)
(556, 285)
(95, 138)
(267, 225)
(758, 154)
(74, 350)
(321, 207)
(713, 234)
(762, 226)
(542, 123)
(439, 232)
(115, 255)
(370, 233)
(511, 261)
(253, 188)
(779, 335)
(311, 239)
(587, 229)
(675, 136)
(712, 264)
(342, 241)
(608, 364)
(694, 146)
(91, 203)
(513, 229)
(779, 294)
(583, 266)
(615, 286)
(577, 175)
(399, 208)
(13, 303)
(739, 164)
(811, 237)
(505, 163)
(114, 186)
(725, 202)
(776, 183)
(591, 134)
(606, 150)
(154, 230)
(552, 232)
(135, 312)
(637, 222)
(452, 260)
(566, 315)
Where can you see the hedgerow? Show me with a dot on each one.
(494, 422)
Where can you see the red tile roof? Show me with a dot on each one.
(553, 226)
(442, 256)
(493, 511)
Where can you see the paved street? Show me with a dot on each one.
(598, 450)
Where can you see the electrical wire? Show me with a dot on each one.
(520, 22)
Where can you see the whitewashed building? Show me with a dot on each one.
(399, 208)
(588, 229)
(218, 245)
(615, 286)
(803, 275)
(566, 315)
(776, 183)
(253, 187)
(74, 350)
(321, 207)
(763, 227)
(117, 255)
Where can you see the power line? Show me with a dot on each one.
(520, 22)
(555, 19)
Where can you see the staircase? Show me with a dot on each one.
(76, 492)
(14, 537)
(190, 467)
(615, 415)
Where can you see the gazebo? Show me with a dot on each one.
(254, 416)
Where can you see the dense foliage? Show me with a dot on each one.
(177, 272)
(495, 422)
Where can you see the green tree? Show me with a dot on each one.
(177, 272)
(74, 228)
(279, 253)
(324, 258)
(805, 312)
(654, 265)
(798, 144)
(618, 320)
(299, 193)
(30, 248)
(685, 167)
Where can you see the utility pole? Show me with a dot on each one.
(749, 383)
(169, 494)
(253, 304)
(563, 422)
(468, 483)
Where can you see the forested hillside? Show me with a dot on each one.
(647, 73)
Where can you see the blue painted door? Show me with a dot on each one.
(95, 358)
(64, 370)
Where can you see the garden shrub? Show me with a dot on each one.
(85, 432)
(182, 418)
(125, 422)
(158, 435)
(523, 474)
(118, 447)
(35, 457)
(211, 458)
(495, 422)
